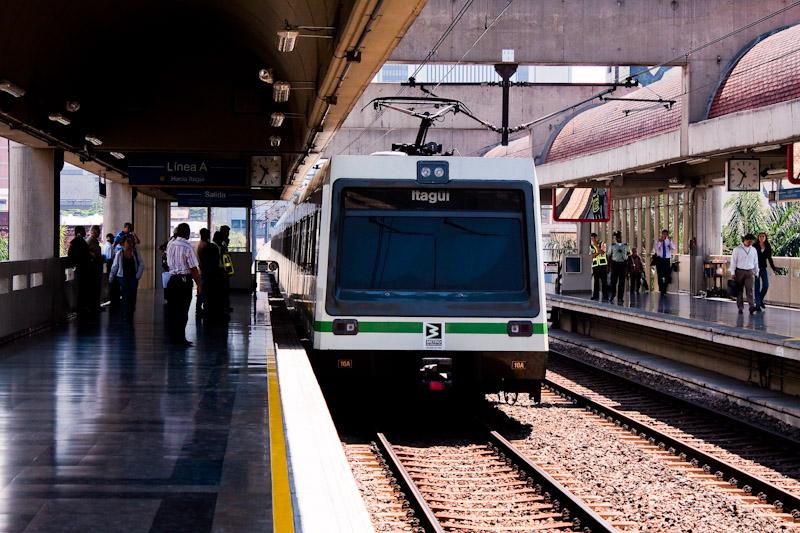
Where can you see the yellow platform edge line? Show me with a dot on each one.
(282, 511)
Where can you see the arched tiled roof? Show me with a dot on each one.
(518, 148)
(767, 73)
(617, 123)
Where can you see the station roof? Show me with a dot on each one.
(765, 72)
(619, 122)
(518, 148)
(169, 76)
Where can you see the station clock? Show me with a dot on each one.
(743, 174)
(265, 171)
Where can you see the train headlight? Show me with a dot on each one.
(345, 326)
(520, 328)
(433, 172)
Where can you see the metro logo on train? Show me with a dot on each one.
(434, 336)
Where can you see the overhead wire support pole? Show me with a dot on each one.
(505, 71)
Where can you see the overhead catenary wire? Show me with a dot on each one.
(682, 57)
(474, 44)
(446, 33)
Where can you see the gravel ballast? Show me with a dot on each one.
(640, 487)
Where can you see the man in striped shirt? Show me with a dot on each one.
(183, 268)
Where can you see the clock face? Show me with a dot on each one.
(744, 174)
(265, 171)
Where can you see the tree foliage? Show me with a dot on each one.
(3, 248)
(560, 245)
(748, 214)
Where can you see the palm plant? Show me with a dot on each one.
(560, 245)
(747, 215)
(781, 223)
(783, 228)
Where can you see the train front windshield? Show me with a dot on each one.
(456, 244)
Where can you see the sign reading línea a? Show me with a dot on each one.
(187, 171)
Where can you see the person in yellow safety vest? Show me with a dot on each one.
(599, 268)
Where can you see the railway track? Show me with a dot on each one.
(482, 487)
(757, 464)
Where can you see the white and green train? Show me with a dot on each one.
(420, 266)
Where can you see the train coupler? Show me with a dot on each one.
(436, 373)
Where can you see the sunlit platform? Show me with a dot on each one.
(775, 331)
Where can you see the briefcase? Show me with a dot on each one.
(733, 288)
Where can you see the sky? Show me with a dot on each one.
(588, 74)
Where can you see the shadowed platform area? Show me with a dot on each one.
(106, 427)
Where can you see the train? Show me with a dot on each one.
(425, 268)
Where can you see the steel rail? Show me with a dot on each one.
(590, 521)
(422, 510)
(689, 405)
(712, 465)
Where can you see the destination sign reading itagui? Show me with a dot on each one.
(187, 171)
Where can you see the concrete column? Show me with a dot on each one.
(32, 203)
(118, 207)
(707, 215)
(163, 233)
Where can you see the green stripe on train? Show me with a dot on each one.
(485, 328)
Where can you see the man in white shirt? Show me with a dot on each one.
(744, 269)
(183, 268)
(663, 249)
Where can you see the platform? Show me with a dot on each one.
(106, 427)
(775, 331)
(762, 349)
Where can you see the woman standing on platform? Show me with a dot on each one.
(764, 249)
(127, 269)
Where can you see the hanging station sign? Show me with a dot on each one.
(187, 171)
(214, 198)
(580, 204)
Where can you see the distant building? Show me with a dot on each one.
(644, 75)
(470, 73)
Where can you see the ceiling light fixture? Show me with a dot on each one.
(697, 161)
(265, 75)
(14, 90)
(287, 39)
(645, 170)
(776, 171)
(275, 141)
(93, 139)
(276, 119)
(72, 106)
(118, 155)
(280, 91)
(58, 117)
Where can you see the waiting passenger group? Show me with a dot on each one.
(209, 267)
(627, 263)
(748, 268)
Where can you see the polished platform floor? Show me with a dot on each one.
(105, 427)
(781, 321)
